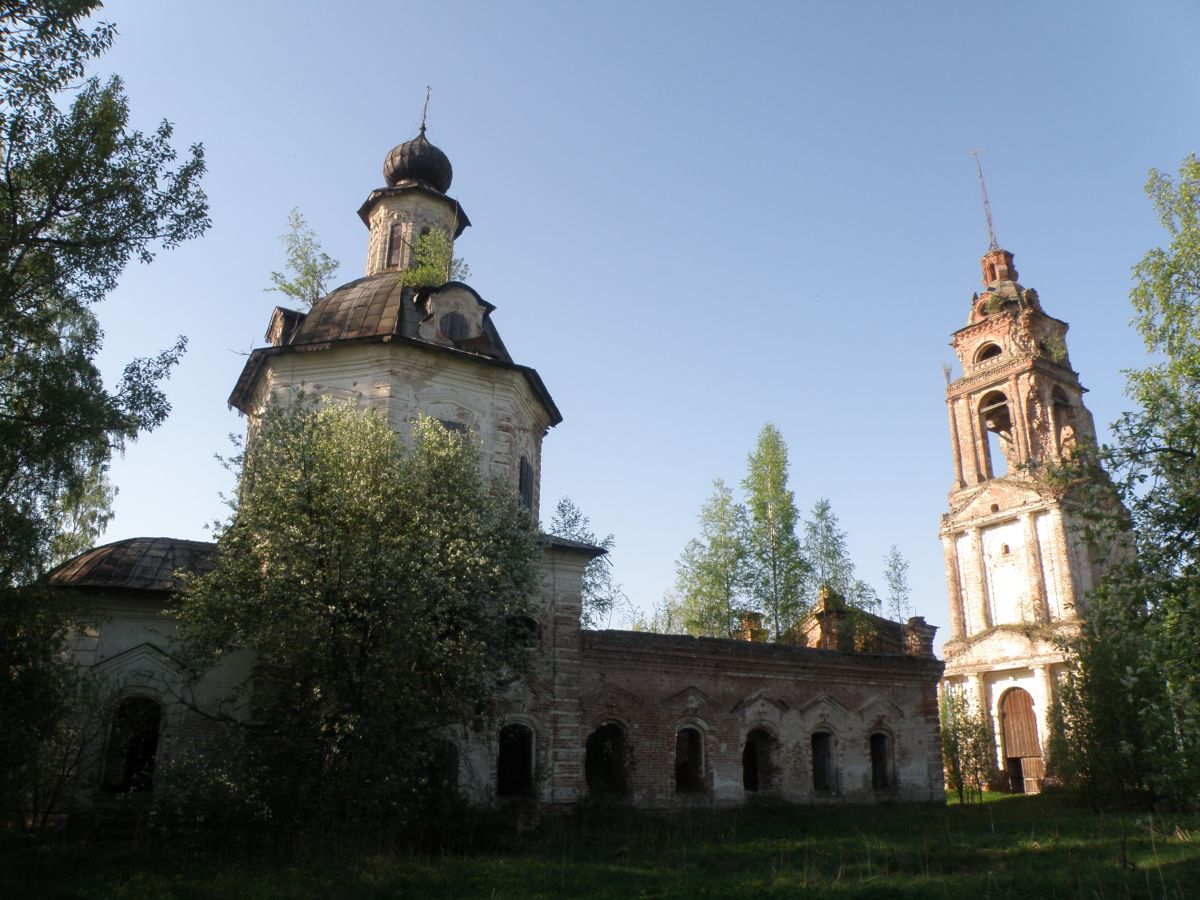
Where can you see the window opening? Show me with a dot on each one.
(514, 764)
(822, 761)
(133, 745)
(395, 245)
(756, 761)
(455, 326)
(525, 483)
(881, 761)
(689, 761)
(988, 351)
(997, 424)
(606, 762)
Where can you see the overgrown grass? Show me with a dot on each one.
(1020, 847)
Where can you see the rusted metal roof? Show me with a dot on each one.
(367, 306)
(143, 564)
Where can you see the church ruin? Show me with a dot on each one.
(1017, 568)
(654, 720)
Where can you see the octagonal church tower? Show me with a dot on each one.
(409, 350)
(1017, 568)
(434, 350)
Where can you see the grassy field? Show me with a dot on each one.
(1019, 847)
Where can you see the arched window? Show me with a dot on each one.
(133, 745)
(987, 351)
(689, 761)
(1064, 421)
(757, 761)
(514, 762)
(395, 245)
(823, 775)
(881, 761)
(606, 762)
(998, 431)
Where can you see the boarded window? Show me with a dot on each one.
(881, 761)
(514, 763)
(606, 763)
(822, 761)
(756, 761)
(395, 245)
(133, 745)
(689, 761)
(525, 483)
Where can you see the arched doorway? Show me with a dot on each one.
(133, 745)
(1022, 750)
(514, 761)
(689, 761)
(756, 761)
(606, 762)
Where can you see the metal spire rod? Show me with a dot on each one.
(425, 109)
(987, 207)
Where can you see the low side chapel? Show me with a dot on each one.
(654, 720)
(1017, 568)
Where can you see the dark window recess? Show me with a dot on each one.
(988, 351)
(881, 762)
(525, 483)
(451, 425)
(395, 245)
(606, 763)
(756, 761)
(514, 765)
(455, 326)
(689, 761)
(133, 746)
(822, 761)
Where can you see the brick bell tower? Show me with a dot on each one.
(1017, 569)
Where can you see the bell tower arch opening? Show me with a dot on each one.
(998, 445)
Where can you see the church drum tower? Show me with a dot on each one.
(1017, 568)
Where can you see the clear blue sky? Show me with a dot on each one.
(692, 219)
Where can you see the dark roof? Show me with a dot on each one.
(562, 543)
(378, 308)
(419, 160)
(367, 306)
(144, 564)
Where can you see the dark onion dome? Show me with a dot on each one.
(418, 160)
(143, 564)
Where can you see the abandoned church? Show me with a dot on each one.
(1017, 568)
(659, 720)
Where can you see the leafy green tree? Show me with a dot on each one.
(602, 595)
(711, 580)
(895, 575)
(775, 567)
(81, 194)
(968, 748)
(434, 263)
(308, 268)
(385, 594)
(1135, 687)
